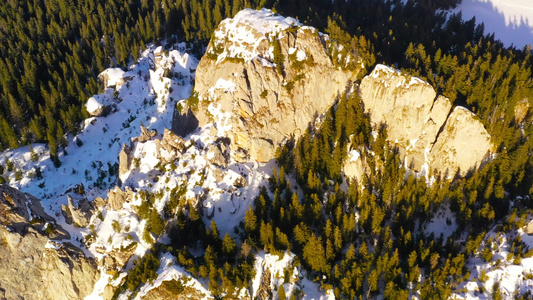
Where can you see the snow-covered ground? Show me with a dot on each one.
(145, 94)
(510, 20)
(512, 277)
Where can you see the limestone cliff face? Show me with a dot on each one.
(265, 78)
(431, 136)
(463, 144)
(33, 264)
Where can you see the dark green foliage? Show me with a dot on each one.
(364, 241)
(143, 271)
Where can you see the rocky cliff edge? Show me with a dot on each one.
(264, 78)
(34, 264)
(432, 136)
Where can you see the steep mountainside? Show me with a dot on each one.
(264, 78)
(433, 136)
(173, 192)
(36, 260)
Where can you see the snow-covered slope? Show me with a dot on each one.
(144, 95)
(510, 20)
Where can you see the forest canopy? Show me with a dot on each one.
(51, 52)
(360, 241)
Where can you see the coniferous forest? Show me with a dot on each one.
(358, 241)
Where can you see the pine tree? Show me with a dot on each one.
(281, 292)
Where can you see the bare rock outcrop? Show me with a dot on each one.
(174, 289)
(170, 146)
(433, 137)
(124, 160)
(117, 197)
(218, 154)
(462, 145)
(32, 265)
(264, 292)
(17, 209)
(80, 215)
(263, 79)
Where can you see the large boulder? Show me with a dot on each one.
(432, 137)
(80, 215)
(263, 79)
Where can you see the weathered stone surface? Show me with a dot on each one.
(170, 146)
(431, 137)
(81, 215)
(528, 229)
(32, 271)
(117, 197)
(172, 142)
(99, 202)
(124, 161)
(462, 145)
(32, 266)
(256, 103)
(240, 182)
(174, 289)
(145, 136)
(264, 292)
(17, 209)
(355, 167)
(218, 155)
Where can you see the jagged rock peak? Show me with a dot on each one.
(432, 137)
(245, 35)
(262, 81)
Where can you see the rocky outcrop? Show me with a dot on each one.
(145, 136)
(432, 137)
(263, 79)
(355, 166)
(79, 216)
(174, 289)
(462, 145)
(111, 77)
(33, 266)
(528, 229)
(170, 146)
(264, 292)
(101, 105)
(18, 209)
(117, 197)
(218, 153)
(124, 160)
